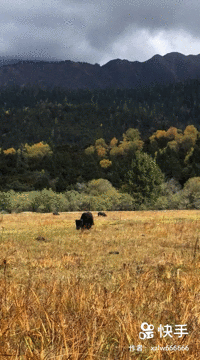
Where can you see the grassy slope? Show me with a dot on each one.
(67, 297)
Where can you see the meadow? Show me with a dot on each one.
(83, 295)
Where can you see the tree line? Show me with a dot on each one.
(131, 165)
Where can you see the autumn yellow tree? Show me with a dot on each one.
(38, 150)
(101, 147)
(10, 151)
(105, 163)
(113, 142)
(131, 142)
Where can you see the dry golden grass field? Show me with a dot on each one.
(66, 294)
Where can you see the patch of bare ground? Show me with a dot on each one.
(68, 294)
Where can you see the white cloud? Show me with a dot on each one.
(141, 45)
(180, 41)
(96, 32)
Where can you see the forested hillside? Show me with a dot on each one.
(30, 115)
(57, 139)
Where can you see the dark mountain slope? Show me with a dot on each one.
(173, 67)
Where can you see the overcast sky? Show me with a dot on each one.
(98, 31)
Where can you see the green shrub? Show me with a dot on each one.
(161, 203)
(21, 202)
(98, 187)
(112, 201)
(178, 201)
(74, 199)
(6, 201)
(59, 202)
(171, 196)
(191, 193)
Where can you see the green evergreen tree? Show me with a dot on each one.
(170, 163)
(144, 178)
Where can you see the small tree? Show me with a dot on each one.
(143, 180)
(131, 135)
(98, 187)
(38, 150)
(192, 192)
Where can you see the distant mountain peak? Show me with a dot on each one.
(114, 62)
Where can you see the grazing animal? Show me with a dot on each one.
(56, 213)
(85, 222)
(79, 224)
(100, 213)
(41, 238)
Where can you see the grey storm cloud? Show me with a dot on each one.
(94, 31)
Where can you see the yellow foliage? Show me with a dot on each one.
(174, 138)
(171, 138)
(116, 151)
(179, 138)
(100, 142)
(172, 133)
(113, 142)
(158, 134)
(9, 151)
(101, 151)
(37, 150)
(105, 163)
(191, 133)
(125, 146)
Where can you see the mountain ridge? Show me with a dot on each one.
(117, 73)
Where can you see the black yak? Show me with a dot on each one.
(100, 213)
(79, 224)
(85, 222)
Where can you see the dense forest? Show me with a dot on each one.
(30, 115)
(55, 138)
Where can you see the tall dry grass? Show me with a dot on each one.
(66, 294)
